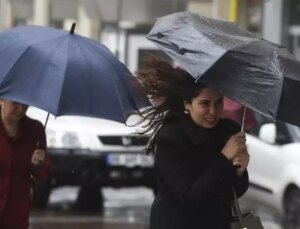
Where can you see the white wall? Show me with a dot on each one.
(272, 20)
(5, 15)
(135, 43)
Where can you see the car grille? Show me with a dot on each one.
(124, 140)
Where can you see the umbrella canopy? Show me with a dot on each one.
(235, 111)
(65, 74)
(252, 71)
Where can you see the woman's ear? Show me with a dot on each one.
(186, 104)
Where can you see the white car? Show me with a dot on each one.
(93, 153)
(274, 169)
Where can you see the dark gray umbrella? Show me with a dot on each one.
(252, 71)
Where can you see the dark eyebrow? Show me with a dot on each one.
(203, 100)
(207, 100)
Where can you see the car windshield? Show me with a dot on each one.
(295, 132)
(282, 128)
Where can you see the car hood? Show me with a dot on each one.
(86, 124)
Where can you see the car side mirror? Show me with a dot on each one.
(267, 133)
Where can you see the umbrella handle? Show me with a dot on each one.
(242, 126)
(243, 119)
(46, 121)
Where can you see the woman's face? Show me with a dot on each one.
(12, 111)
(205, 109)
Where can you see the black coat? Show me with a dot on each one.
(194, 178)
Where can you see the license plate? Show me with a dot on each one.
(129, 160)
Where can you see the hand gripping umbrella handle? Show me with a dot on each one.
(35, 167)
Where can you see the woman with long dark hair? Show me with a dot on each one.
(199, 156)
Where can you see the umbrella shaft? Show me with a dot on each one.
(243, 119)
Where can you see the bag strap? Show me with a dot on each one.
(236, 207)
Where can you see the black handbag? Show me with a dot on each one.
(247, 220)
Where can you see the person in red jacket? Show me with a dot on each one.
(19, 138)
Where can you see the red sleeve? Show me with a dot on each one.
(44, 171)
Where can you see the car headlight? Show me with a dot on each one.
(63, 139)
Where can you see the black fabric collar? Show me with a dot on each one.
(198, 134)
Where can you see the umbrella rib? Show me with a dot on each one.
(117, 92)
(62, 87)
(20, 57)
(108, 62)
(114, 85)
(113, 76)
(8, 78)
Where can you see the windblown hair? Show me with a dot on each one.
(170, 87)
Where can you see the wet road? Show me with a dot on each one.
(124, 209)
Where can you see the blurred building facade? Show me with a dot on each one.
(122, 24)
(91, 15)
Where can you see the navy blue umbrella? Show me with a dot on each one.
(65, 74)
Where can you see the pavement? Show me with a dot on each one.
(126, 208)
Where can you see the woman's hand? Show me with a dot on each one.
(38, 157)
(235, 145)
(241, 161)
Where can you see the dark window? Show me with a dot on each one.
(294, 12)
(143, 53)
